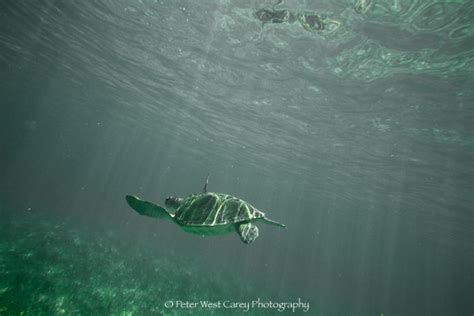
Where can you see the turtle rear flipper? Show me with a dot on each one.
(272, 222)
(147, 208)
(247, 232)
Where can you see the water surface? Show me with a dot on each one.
(360, 140)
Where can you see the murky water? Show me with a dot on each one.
(355, 131)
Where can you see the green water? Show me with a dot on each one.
(351, 122)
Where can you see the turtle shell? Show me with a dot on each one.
(213, 209)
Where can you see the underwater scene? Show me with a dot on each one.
(237, 157)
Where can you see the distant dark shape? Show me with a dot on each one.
(310, 21)
(279, 16)
(207, 213)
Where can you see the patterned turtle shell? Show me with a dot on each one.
(212, 209)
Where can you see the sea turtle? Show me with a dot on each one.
(207, 213)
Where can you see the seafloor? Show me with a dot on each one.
(52, 265)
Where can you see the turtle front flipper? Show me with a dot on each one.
(147, 208)
(247, 232)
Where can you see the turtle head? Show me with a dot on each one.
(173, 202)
